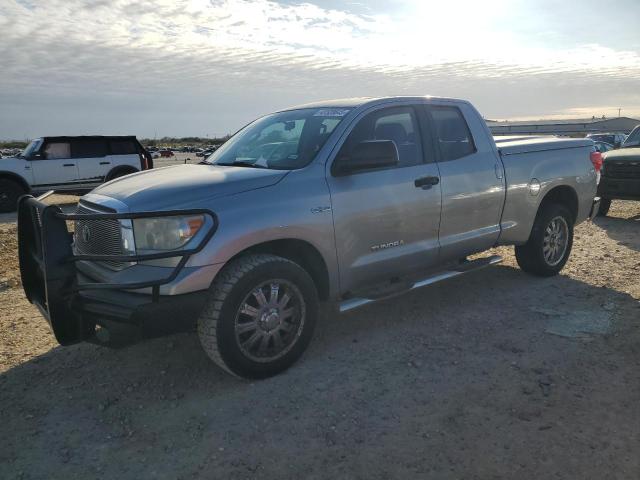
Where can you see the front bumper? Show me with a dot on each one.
(79, 309)
(619, 188)
(116, 318)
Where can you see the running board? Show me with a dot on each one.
(463, 268)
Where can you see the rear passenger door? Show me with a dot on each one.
(473, 188)
(386, 220)
(91, 157)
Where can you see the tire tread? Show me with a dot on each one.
(218, 293)
(529, 256)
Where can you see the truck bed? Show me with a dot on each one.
(510, 145)
(547, 161)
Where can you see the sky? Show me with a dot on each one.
(207, 67)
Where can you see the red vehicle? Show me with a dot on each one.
(166, 153)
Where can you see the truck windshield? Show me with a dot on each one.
(33, 147)
(633, 140)
(280, 141)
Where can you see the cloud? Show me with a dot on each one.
(240, 56)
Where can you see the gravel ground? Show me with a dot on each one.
(496, 374)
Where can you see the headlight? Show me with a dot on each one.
(165, 233)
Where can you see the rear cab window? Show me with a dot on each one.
(452, 132)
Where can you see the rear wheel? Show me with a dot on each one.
(260, 316)
(10, 191)
(605, 205)
(549, 245)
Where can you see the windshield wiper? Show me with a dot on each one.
(242, 163)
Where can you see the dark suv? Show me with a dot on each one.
(620, 178)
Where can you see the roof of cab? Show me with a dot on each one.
(73, 137)
(355, 102)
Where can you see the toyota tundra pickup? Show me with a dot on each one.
(346, 201)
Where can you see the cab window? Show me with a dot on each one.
(454, 138)
(57, 150)
(88, 148)
(123, 147)
(397, 124)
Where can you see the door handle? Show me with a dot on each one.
(426, 182)
(105, 163)
(69, 165)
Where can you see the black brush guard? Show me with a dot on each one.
(48, 271)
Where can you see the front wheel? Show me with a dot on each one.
(260, 316)
(549, 245)
(10, 192)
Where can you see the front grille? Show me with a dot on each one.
(622, 170)
(98, 237)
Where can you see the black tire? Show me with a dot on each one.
(531, 256)
(230, 294)
(10, 192)
(605, 205)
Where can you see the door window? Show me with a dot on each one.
(454, 137)
(397, 124)
(88, 148)
(57, 150)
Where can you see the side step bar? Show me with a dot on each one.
(463, 268)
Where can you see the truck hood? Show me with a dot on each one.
(629, 154)
(180, 185)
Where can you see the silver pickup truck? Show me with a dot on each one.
(346, 201)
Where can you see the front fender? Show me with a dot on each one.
(298, 208)
(25, 179)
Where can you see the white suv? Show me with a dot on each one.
(73, 164)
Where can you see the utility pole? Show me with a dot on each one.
(619, 110)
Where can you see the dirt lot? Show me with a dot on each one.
(494, 375)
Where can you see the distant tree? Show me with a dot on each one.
(14, 144)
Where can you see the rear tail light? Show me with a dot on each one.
(596, 159)
(146, 160)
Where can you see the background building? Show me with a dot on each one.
(579, 127)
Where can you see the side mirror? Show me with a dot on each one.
(368, 155)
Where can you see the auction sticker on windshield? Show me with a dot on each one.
(331, 112)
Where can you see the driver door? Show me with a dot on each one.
(386, 220)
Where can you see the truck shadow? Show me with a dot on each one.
(167, 392)
(625, 231)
